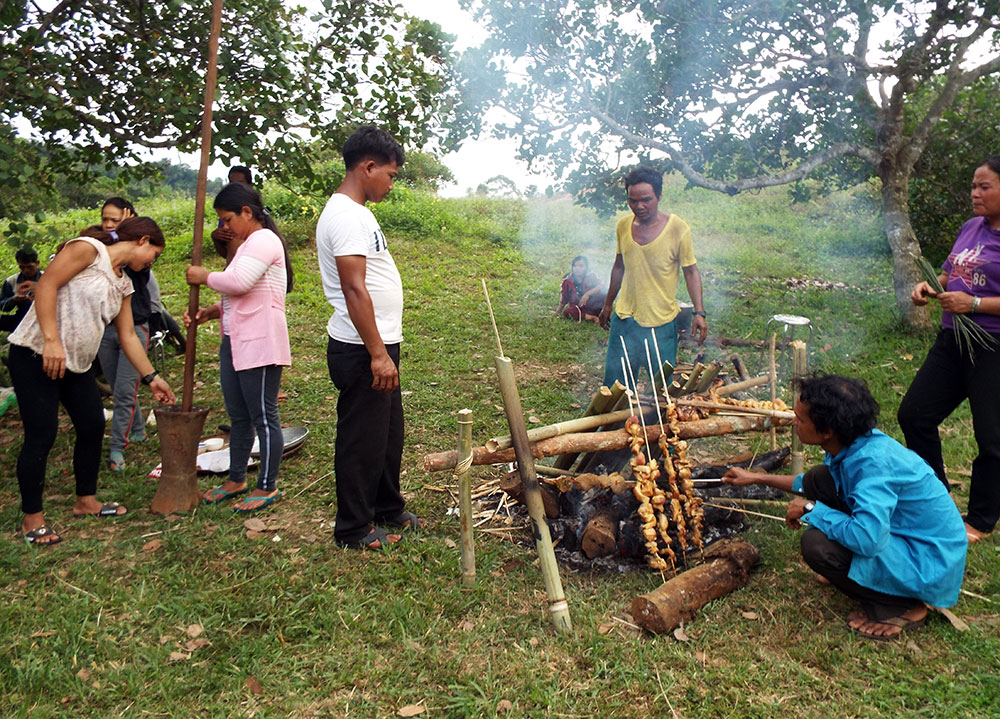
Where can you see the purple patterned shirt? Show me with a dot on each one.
(973, 267)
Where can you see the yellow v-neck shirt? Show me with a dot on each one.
(649, 287)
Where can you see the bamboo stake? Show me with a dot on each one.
(652, 375)
(619, 401)
(745, 511)
(708, 376)
(774, 385)
(580, 424)
(558, 606)
(468, 562)
(211, 74)
(692, 380)
(663, 373)
(638, 403)
(799, 359)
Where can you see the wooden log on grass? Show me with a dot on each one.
(604, 441)
(740, 386)
(726, 568)
(579, 424)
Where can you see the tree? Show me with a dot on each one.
(109, 80)
(736, 94)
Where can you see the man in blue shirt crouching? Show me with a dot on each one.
(883, 529)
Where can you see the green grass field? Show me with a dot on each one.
(188, 616)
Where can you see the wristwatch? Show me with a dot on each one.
(700, 313)
(148, 379)
(808, 507)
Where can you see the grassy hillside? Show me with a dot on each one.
(188, 616)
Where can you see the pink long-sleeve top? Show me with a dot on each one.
(253, 313)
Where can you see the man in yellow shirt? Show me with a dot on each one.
(653, 248)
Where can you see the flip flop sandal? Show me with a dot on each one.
(406, 521)
(903, 623)
(116, 461)
(35, 535)
(367, 542)
(138, 437)
(266, 500)
(220, 495)
(109, 509)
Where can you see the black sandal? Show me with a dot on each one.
(33, 536)
(368, 541)
(406, 521)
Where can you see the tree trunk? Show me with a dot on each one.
(903, 242)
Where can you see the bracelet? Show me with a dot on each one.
(699, 313)
(975, 303)
(148, 379)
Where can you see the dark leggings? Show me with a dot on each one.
(38, 399)
(946, 378)
(832, 560)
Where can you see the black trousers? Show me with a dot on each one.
(369, 447)
(946, 378)
(38, 400)
(832, 560)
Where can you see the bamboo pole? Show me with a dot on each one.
(773, 375)
(708, 376)
(776, 413)
(799, 360)
(558, 607)
(599, 404)
(740, 386)
(579, 424)
(692, 380)
(468, 562)
(211, 76)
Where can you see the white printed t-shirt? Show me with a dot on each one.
(347, 228)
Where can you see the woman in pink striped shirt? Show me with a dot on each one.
(254, 345)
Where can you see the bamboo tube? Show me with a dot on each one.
(776, 413)
(663, 375)
(553, 471)
(211, 75)
(599, 404)
(799, 360)
(604, 441)
(579, 424)
(740, 386)
(619, 400)
(708, 376)
(468, 562)
(773, 374)
(740, 366)
(692, 380)
(558, 607)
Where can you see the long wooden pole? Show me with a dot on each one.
(580, 424)
(211, 76)
(558, 607)
(465, 496)
(773, 374)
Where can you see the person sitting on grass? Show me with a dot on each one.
(581, 295)
(883, 529)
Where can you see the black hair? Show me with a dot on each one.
(644, 173)
(244, 169)
(121, 203)
(991, 162)
(841, 404)
(26, 254)
(131, 229)
(237, 195)
(374, 143)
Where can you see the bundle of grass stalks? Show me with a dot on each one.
(967, 332)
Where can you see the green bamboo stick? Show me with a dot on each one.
(465, 497)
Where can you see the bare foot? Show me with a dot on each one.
(893, 627)
(973, 534)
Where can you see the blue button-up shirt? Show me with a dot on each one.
(904, 529)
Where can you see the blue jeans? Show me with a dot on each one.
(124, 380)
(251, 397)
(636, 336)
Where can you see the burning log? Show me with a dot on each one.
(604, 441)
(511, 484)
(727, 568)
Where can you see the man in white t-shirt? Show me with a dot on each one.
(362, 283)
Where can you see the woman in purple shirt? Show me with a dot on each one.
(971, 279)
